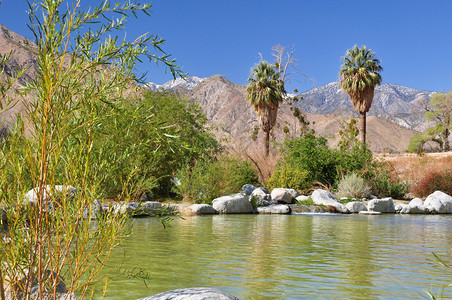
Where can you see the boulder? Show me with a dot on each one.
(293, 192)
(419, 209)
(439, 202)
(416, 202)
(356, 206)
(402, 208)
(322, 197)
(139, 209)
(302, 198)
(408, 209)
(197, 293)
(203, 209)
(274, 209)
(385, 205)
(52, 194)
(264, 189)
(16, 290)
(234, 204)
(296, 208)
(247, 189)
(280, 195)
(260, 198)
(93, 210)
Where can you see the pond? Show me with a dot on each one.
(318, 256)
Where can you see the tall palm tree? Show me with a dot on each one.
(359, 75)
(265, 91)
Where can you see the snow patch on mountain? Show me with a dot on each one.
(188, 82)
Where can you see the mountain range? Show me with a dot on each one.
(225, 106)
(395, 103)
(391, 123)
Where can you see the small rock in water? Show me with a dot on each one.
(203, 209)
(356, 206)
(234, 204)
(385, 205)
(369, 212)
(274, 209)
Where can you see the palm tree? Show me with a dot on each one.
(265, 91)
(359, 75)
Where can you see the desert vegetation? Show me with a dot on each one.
(91, 135)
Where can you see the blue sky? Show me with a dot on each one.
(413, 39)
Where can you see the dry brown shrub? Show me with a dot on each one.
(414, 168)
(263, 165)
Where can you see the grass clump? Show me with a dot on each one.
(308, 201)
(353, 186)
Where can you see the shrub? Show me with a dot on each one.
(289, 177)
(434, 181)
(353, 186)
(323, 164)
(382, 185)
(311, 154)
(207, 180)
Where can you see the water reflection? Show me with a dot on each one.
(288, 256)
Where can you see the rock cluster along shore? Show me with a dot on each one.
(254, 200)
(259, 200)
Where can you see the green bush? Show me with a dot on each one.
(382, 185)
(289, 177)
(311, 154)
(353, 186)
(207, 180)
(434, 181)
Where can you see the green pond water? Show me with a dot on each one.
(287, 256)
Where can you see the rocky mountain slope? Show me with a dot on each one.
(392, 102)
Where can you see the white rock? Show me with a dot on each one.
(260, 197)
(416, 202)
(197, 293)
(293, 192)
(280, 195)
(322, 197)
(439, 202)
(356, 206)
(203, 209)
(31, 197)
(385, 205)
(302, 198)
(234, 204)
(274, 209)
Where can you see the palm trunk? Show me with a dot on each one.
(362, 127)
(267, 142)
